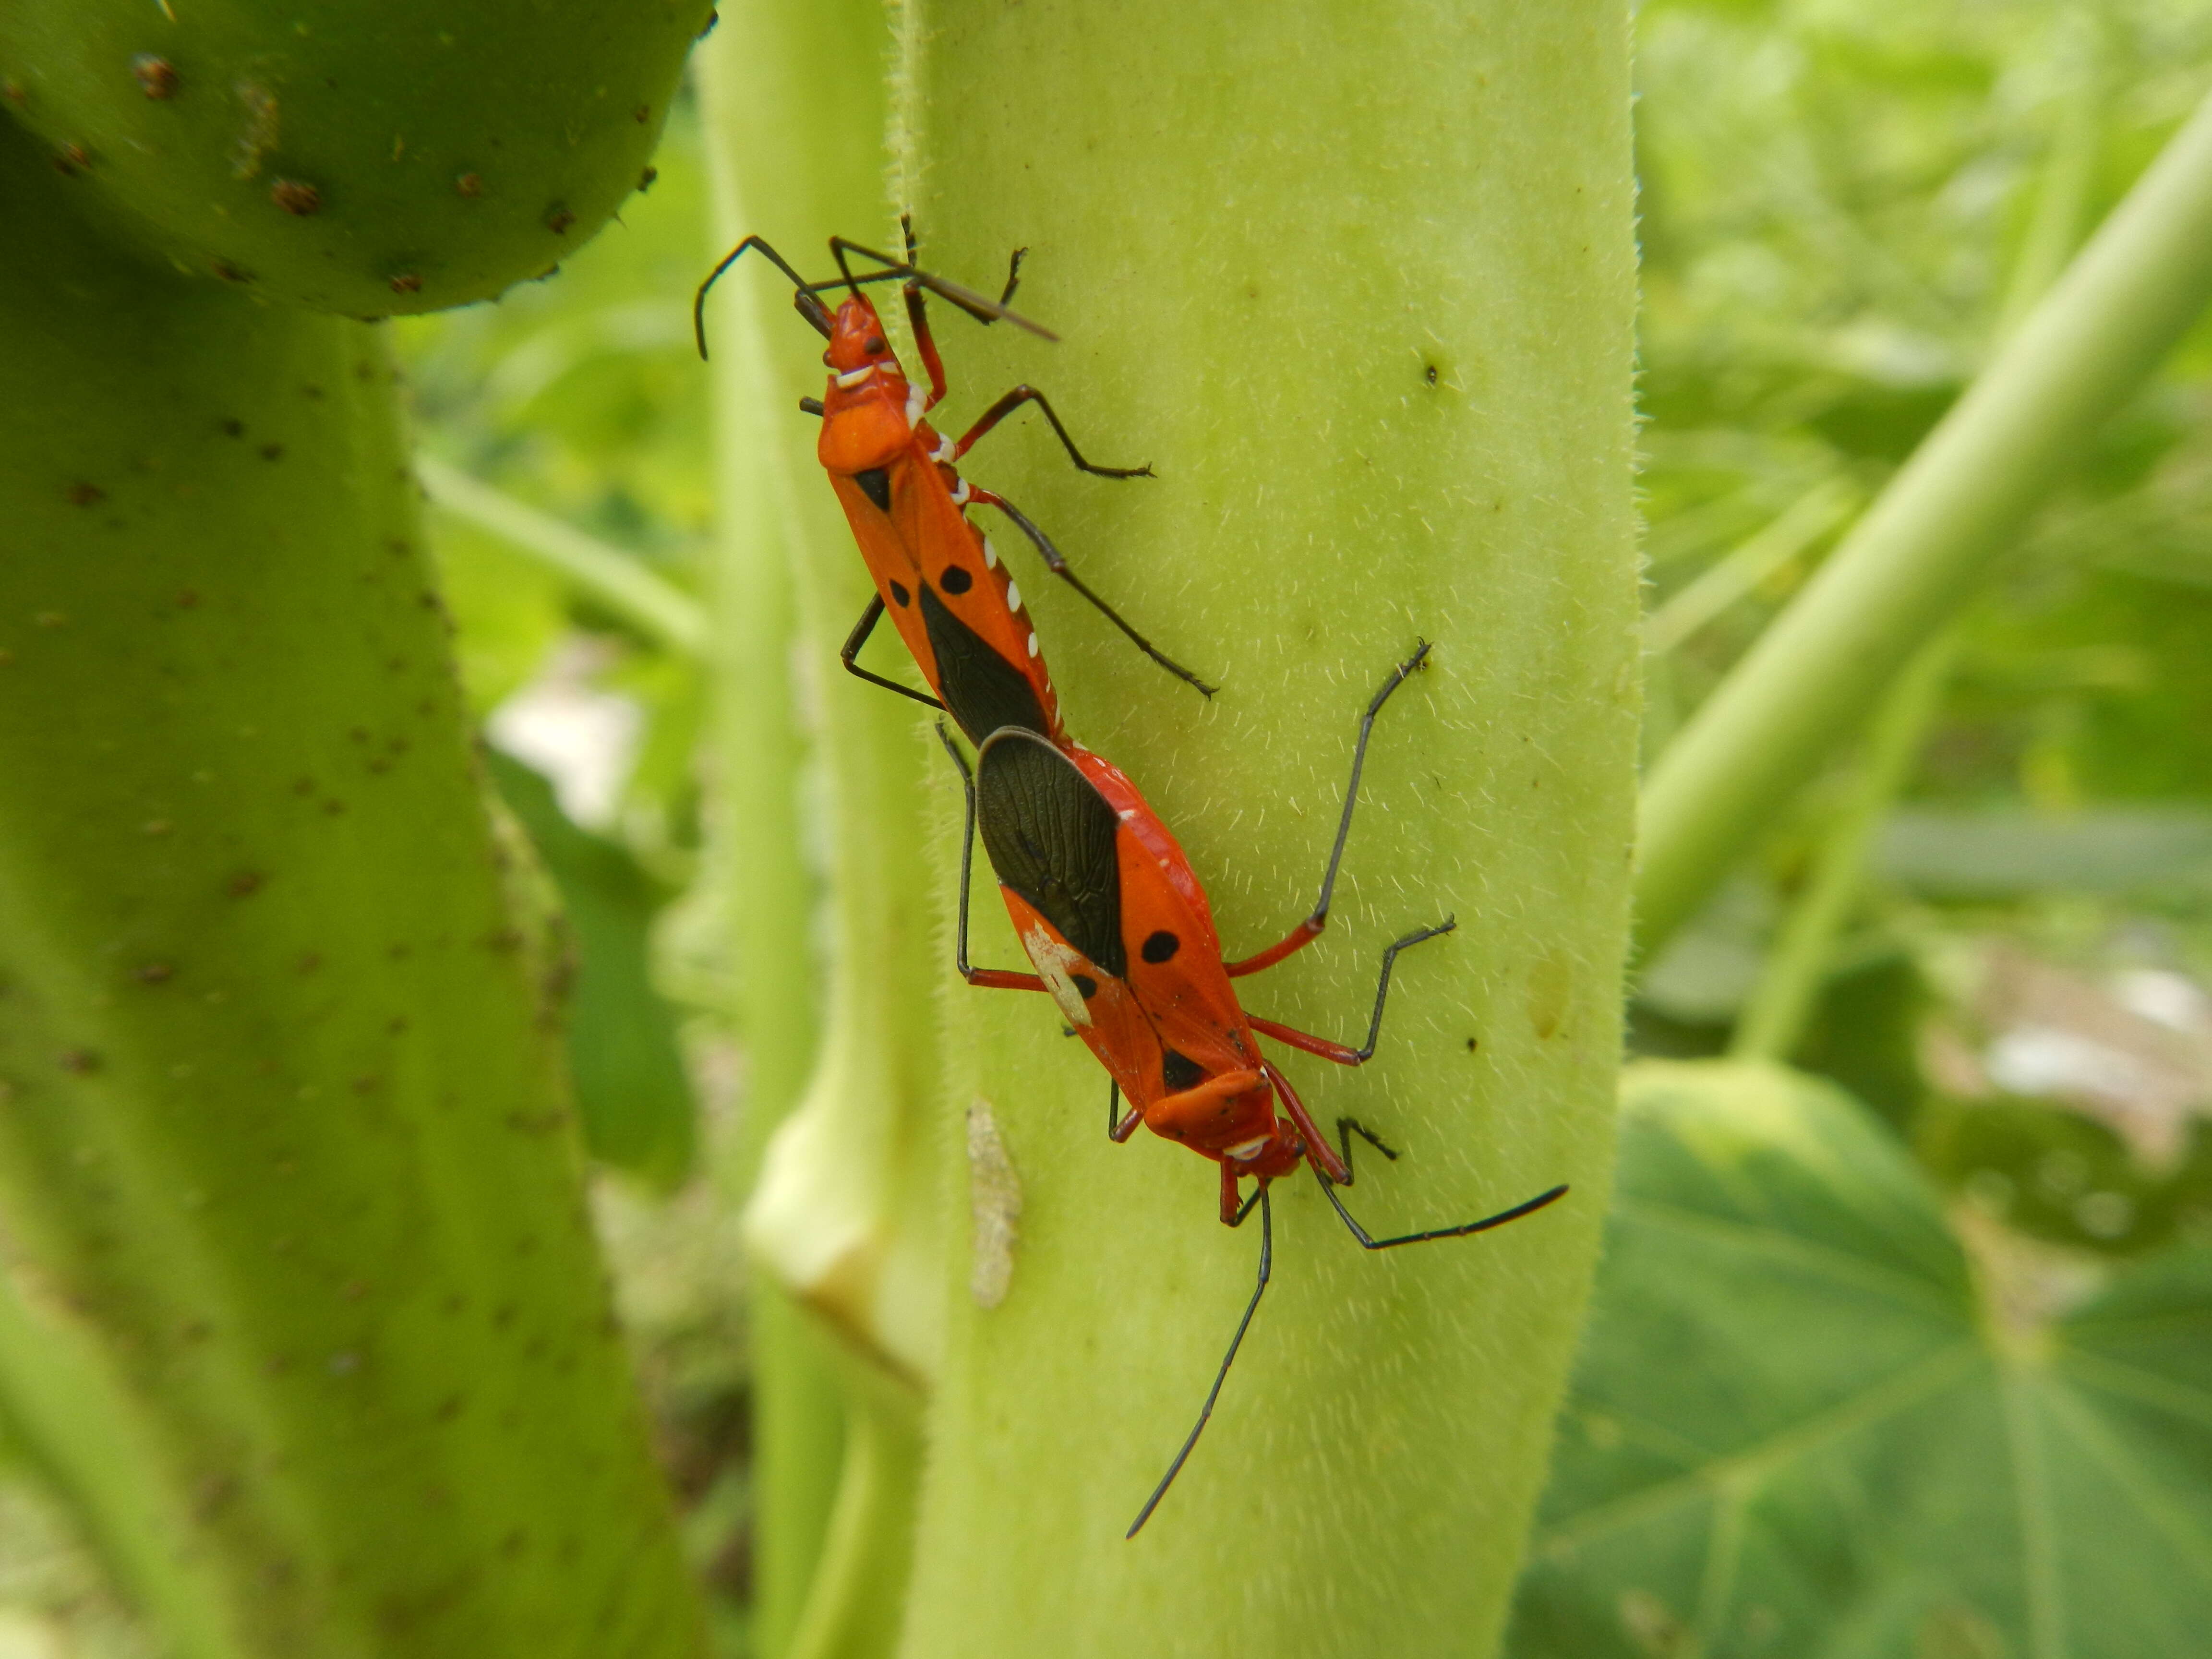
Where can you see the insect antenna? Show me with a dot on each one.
(982, 308)
(1267, 1265)
(802, 299)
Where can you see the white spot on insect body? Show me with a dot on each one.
(1033, 644)
(1013, 596)
(853, 376)
(943, 453)
(1243, 1150)
(1054, 960)
(995, 1205)
(960, 493)
(915, 399)
(990, 555)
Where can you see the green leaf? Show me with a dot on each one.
(1804, 1423)
(623, 1056)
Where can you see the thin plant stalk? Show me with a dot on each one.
(846, 1252)
(619, 581)
(1773, 1020)
(1921, 550)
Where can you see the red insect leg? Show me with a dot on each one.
(1319, 1153)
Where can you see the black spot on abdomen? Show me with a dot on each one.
(876, 484)
(1160, 946)
(954, 580)
(1180, 1071)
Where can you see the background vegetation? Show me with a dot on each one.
(1905, 1350)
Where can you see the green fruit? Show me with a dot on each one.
(300, 1301)
(357, 158)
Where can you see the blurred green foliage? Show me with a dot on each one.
(1845, 207)
(1815, 1416)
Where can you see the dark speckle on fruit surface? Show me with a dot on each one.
(157, 77)
(295, 197)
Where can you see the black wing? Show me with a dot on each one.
(982, 690)
(1051, 836)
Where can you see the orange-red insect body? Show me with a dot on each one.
(1116, 923)
(955, 607)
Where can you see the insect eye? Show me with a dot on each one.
(875, 344)
(826, 363)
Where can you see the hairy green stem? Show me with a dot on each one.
(1359, 285)
(617, 579)
(286, 1166)
(1789, 981)
(1919, 553)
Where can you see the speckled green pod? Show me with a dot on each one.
(357, 158)
(300, 1299)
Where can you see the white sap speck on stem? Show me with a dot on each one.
(994, 1203)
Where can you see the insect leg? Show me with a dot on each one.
(1348, 1126)
(1029, 394)
(1119, 1128)
(1340, 1052)
(1369, 1243)
(917, 318)
(1309, 930)
(1266, 1266)
(1325, 1161)
(995, 979)
(1056, 562)
(858, 638)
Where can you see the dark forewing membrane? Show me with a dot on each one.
(982, 689)
(1050, 835)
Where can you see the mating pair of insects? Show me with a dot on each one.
(1104, 902)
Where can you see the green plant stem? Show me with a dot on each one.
(1359, 283)
(1920, 551)
(616, 579)
(286, 1157)
(794, 103)
(1790, 982)
(1743, 567)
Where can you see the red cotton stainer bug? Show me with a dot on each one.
(954, 604)
(1108, 911)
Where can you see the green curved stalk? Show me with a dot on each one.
(1359, 283)
(617, 579)
(1773, 1019)
(287, 1168)
(1920, 551)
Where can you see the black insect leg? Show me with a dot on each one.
(996, 979)
(1368, 1241)
(1119, 1128)
(1266, 1266)
(859, 637)
(1029, 394)
(1056, 562)
(1309, 930)
(1340, 1052)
